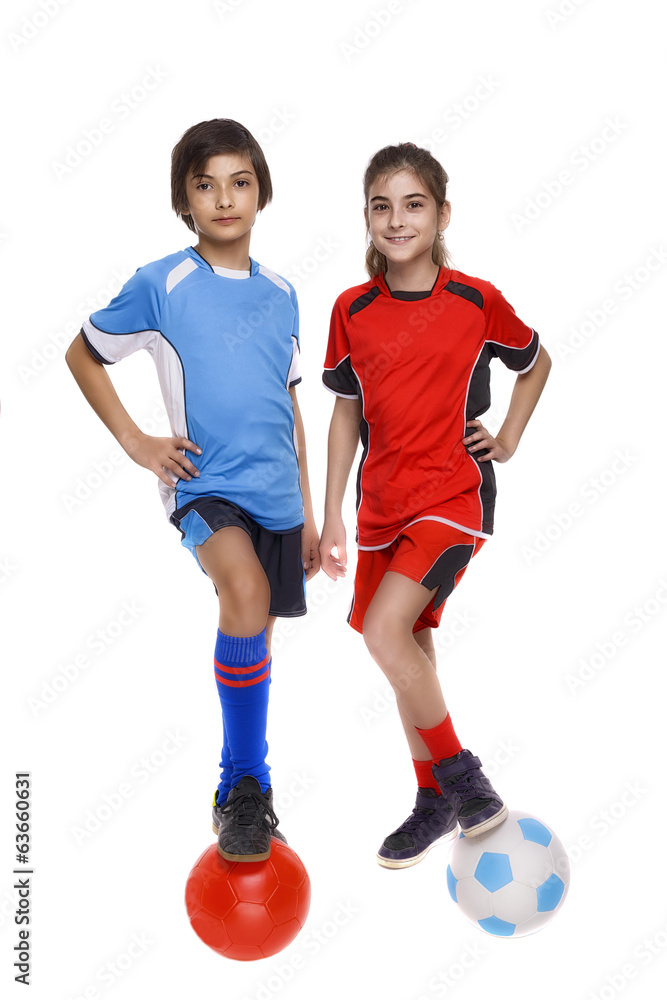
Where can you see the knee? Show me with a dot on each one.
(243, 589)
(381, 633)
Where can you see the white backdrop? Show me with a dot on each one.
(549, 118)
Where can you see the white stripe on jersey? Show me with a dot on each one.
(275, 278)
(179, 272)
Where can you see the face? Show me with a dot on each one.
(402, 217)
(223, 199)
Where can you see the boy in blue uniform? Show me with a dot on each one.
(223, 333)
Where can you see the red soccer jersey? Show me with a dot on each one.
(419, 363)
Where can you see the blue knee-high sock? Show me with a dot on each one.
(226, 768)
(243, 675)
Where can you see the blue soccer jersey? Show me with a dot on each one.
(226, 347)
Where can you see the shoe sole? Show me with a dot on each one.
(244, 857)
(409, 862)
(241, 857)
(488, 824)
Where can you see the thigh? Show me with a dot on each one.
(386, 579)
(397, 603)
(437, 555)
(389, 623)
(371, 567)
(227, 552)
(228, 558)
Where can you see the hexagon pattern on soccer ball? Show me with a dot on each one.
(512, 880)
(248, 911)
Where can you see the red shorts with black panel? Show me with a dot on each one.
(428, 551)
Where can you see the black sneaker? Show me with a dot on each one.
(477, 805)
(246, 822)
(431, 822)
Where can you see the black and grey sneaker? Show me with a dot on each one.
(246, 822)
(463, 784)
(431, 822)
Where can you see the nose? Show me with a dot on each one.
(224, 199)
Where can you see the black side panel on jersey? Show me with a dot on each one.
(479, 390)
(487, 494)
(478, 402)
(363, 301)
(363, 434)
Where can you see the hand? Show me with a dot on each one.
(498, 450)
(160, 454)
(309, 549)
(333, 537)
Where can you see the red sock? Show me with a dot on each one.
(424, 774)
(441, 741)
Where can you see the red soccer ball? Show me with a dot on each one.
(248, 909)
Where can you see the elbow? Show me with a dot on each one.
(69, 356)
(545, 361)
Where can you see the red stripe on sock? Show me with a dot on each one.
(246, 683)
(242, 670)
(441, 741)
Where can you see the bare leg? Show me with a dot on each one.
(418, 749)
(271, 621)
(388, 622)
(229, 559)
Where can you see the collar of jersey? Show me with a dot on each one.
(224, 272)
(441, 279)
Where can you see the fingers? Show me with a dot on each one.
(175, 460)
(477, 434)
(163, 477)
(181, 468)
(187, 445)
(479, 439)
(333, 566)
(311, 559)
(312, 567)
(341, 549)
(330, 568)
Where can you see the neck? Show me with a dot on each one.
(233, 255)
(413, 276)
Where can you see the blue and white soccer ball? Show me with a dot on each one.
(511, 880)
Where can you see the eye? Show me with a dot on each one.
(242, 182)
(380, 206)
(203, 186)
(415, 204)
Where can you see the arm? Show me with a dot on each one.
(309, 537)
(527, 390)
(343, 441)
(156, 454)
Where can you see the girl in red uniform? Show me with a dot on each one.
(408, 359)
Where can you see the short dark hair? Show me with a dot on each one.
(198, 144)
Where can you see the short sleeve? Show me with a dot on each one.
(294, 376)
(129, 323)
(516, 344)
(338, 375)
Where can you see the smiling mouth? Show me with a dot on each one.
(398, 239)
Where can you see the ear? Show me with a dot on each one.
(444, 216)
